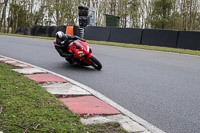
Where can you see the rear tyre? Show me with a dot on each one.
(95, 63)
(69, 60)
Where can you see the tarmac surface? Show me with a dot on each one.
(162, 88)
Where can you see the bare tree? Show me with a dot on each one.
(3, 17)
(178, 14)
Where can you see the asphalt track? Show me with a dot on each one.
(162, 88)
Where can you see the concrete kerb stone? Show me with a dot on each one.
(95, 120)
(29, 71)
(64, 89)
(14, 63)
(3, 59)
(126, 122)
(149, 127)
(8, 62)
(146, 132)
(21, 65)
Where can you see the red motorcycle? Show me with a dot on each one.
(82, 55)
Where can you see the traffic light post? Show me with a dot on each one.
(86, 17)
(83, 16)
(83, 19)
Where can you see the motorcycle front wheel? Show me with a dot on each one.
(95, 63)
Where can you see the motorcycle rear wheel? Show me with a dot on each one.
(69, 60)
(95, 63)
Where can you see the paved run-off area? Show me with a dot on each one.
(79, 100)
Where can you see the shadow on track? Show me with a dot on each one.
(76, 68)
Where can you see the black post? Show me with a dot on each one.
(83, 16)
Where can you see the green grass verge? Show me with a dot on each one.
(18, 35)
(156, 48)
(165, 49)
(26, 107)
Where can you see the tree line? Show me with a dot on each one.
(157, 14)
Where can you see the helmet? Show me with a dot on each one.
(60, 37)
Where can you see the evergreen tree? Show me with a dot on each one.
(161, 16)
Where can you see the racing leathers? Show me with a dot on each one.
(61, 47)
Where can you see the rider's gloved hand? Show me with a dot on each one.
(83, 40)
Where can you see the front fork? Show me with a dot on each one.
(88, 59)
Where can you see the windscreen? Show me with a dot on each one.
(78, 44)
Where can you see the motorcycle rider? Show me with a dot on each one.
(62, 42)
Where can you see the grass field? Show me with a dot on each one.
(165, 49)
(26, 107)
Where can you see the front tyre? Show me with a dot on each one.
(95, 63)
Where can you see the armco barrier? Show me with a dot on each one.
(58, 28)
(97, 33)
(125, 35)
(23, 31)
(50, 30)
(33, 29)
(47, 31)
(154, 37)
(76, 31)
(54, 32)
(26, 31)
(189, 40)
(17, 30)
(40, 31)
(62, 28)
